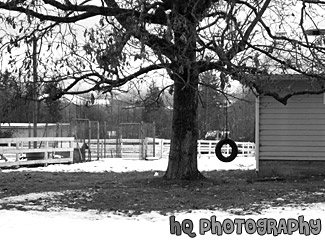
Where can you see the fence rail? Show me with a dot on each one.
(53, 150)
(157, 148)
(36, 150)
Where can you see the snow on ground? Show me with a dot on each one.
(73, 226)
(125, 165)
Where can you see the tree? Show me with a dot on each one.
(182, 39)
(14, 105)
(212, 96)
(16, 101)
(156, 111)
(52, 104)
(241, 117)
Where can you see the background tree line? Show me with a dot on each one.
(154, 106)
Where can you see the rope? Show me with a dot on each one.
(226, 127)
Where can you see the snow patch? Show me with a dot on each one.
(58, 225)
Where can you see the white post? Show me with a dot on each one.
(257, 132)
(35, 89)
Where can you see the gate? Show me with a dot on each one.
(131, 139)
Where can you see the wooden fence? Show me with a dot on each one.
(156, 148)
(36, 150)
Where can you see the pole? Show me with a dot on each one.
(257, 133)
(206, 109)
(154, 139)
(89, 140)
(141, 137)
(35, 89)
(105, 132)
(29, 134)
(98, 139)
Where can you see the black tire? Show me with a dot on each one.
(234, 150)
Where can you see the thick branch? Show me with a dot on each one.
(159, 45)
(86, 11)
(105, 84)
(120, 82)
(61, 19)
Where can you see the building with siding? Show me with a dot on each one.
(290, 139)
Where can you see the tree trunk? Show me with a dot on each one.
(182, 162)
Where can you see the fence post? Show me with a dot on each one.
(46, 153)
(71, 144)
(199, 148)
(97, 140)
(105, 132)
(89, 140)
(57, 129)
(141, 134)
(162, 147)
(29, 134)
(17, 148)
(145, 148)
(121, 145)
(154, 139)
(119, 142)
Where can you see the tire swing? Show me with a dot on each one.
(225, 141)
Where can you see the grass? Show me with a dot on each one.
(136, 192)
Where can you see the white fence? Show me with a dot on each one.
(52, 150)
(245, 149)
(36, 150)
(157, 148)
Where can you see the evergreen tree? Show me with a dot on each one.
(156, 111)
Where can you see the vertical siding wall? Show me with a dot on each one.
(295, 131)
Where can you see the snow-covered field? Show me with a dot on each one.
(73, 226)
